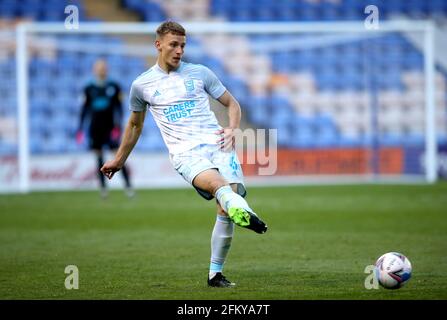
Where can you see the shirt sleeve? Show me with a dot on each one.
(212, 84)
(136, 101)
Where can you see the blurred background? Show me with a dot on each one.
(347, 105)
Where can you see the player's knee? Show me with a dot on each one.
(209, 181)
(216, 185)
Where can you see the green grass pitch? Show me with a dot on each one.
(157, 245)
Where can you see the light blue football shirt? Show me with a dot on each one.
(179, 103)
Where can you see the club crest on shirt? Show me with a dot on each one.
(110, 91)
(189, 85)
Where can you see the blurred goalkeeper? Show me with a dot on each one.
(103, 109)
(177, 95)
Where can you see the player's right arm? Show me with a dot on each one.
(133, 130)
(131, 134)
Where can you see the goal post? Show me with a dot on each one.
(342, 30)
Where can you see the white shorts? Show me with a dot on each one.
(207, 156)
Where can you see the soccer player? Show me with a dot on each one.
(202, 152)
(102, 107)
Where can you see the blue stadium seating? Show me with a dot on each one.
(56, 82)
(49, 10)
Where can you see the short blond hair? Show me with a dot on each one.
(170, 27)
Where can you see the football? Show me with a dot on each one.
(393, 270)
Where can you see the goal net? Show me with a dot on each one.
(349, 104)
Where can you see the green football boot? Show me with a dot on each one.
(247, 219)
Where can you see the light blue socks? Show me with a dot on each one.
(220, 243)
(229, 199)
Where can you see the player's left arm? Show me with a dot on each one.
(234, 117)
